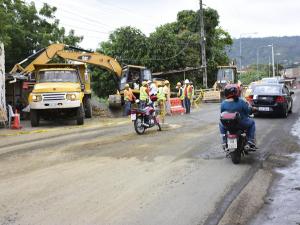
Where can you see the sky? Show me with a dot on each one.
(95, 19)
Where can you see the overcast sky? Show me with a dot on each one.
(95, 19)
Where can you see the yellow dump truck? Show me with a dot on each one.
(61, 91)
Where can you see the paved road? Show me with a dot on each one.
(109, 175)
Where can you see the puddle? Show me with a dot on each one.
(282, 204)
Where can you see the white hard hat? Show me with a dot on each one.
(186, 81)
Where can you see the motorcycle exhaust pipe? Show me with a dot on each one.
(145, 125)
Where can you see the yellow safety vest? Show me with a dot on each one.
(143, 94)
(182, 93)
(161, 95)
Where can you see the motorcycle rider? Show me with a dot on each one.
(233, 103)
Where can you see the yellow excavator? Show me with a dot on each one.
(59, 90)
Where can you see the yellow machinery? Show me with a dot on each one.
(226, 75)
(134, 75)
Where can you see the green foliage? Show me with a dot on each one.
(254, 75)
(287, 47)
(127, 44)
(23, 29)
(251, 76)
(102, 82)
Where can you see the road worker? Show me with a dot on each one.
(128, 98)
(188, 92)
(161, 98)
(167, 91)
(193, 93)
(180, 93)
(144, 94)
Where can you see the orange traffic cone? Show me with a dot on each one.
(16, 124)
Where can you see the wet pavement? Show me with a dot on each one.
(282, 205)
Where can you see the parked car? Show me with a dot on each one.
(271, 99)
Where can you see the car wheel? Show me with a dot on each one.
(285, 112)
(291, 109)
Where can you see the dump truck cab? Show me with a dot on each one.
(61, 91)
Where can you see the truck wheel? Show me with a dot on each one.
(34, 118)
(80, 116)
(88, 108)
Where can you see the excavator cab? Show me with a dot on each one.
(134, 76)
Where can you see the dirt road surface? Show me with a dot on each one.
(105, 173)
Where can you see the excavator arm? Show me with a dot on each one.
(45, 55)
(93, 58)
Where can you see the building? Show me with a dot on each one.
(293, 73)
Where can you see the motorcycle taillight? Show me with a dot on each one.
(231, 136)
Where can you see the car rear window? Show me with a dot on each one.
(264, 89)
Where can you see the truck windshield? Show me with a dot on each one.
(58, 76)
(147, 75)
(225, 74)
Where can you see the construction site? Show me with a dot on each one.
(145, 129)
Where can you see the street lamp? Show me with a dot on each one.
(241, 35)
(272, 46)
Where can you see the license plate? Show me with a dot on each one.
(232, 143)
(264, 109)
(133, 116)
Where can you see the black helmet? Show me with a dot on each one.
(231, 91)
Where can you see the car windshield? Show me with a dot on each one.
(265, 89)
(58, 76)
(270, 80)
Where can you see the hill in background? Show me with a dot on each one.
(286, 50)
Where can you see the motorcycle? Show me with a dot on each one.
(236, 138)
(144, 119)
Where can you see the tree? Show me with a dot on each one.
(172, 46)
(127, 45)
(24, 30)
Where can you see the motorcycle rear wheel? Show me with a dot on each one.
(138, 126)
(235, 156)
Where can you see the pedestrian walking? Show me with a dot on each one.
(128, 98)
(144, 94)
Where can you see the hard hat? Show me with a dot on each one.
(166, 82)
(186, 81)
(178, 84)
(126, 85)
(149, 82)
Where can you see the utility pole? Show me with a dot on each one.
(202, 43)
(273, 61)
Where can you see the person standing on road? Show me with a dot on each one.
(128, 98)
(187, 96)
(144, 94)
(180, 93)
(167, 91)
(233, 103)
(161, 97)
